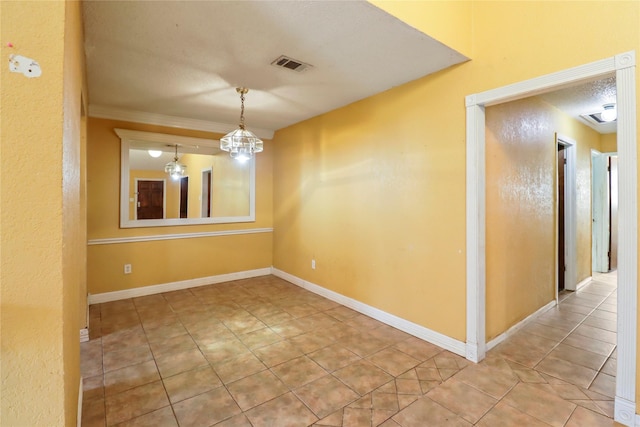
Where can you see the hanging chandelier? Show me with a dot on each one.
(241, 143)
(175, 169)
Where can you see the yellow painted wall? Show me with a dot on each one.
(40, 208)
(164, 261)
(375, 190)
(609, 143)
(521, 207)
(520, 212)
(74, 251)
(230, 187)
(375, 193)
(449, 22)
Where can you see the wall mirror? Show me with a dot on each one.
(215, 189)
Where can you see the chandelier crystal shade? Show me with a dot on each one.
(241, 143)
(175, 169)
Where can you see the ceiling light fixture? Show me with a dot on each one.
(175, 169)
(241, 143)
(155, 153)
(609, 113)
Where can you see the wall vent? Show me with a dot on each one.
(292, 64)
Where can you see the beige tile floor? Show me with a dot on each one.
(263, 352)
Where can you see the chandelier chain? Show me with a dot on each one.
(242, 92)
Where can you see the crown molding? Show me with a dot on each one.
(104, 112)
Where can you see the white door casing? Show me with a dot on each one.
(570, 214)
(624, 67)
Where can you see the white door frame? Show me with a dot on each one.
(600, 212)
(202, 194)
(570, 214)
(624, 66)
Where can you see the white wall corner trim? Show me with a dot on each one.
(84, 334)
(521, 324)
(113, 240)
(80, 396)
(411, 328)
(583, 283)
(624, 67)
(476, 265)
(175, 286)
(570, 211)
(625, 412)
(104, 112)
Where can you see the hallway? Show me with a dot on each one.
(263, 352)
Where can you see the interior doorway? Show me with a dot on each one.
(604, 184)
(567, 244)
(562, 176)
(150, 197)
(205, 196)
(624, 67)
(184, 196)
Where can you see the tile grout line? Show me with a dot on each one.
(573, 330)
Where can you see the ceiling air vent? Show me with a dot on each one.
(292, 64)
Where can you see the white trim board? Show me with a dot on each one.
(113, 240)
(624, 67)
(103, 112)
(583, 283)
(175, 286)
(84, 334)
(521, 324)
(411, 328)
(80, 398)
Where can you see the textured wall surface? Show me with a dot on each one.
(521, 207)
(374, 192)
(74, 224)
(40, 363)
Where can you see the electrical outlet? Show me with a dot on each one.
(127, 269)
(313, 264)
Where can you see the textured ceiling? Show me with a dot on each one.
(586, 98)
(186, 58)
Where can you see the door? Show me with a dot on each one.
(205, 197)
(562, 266)
(613, 212)
(600, 213)
(150, 200)
(184, 196)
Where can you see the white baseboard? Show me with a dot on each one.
(84, 334)
(583, 283)
(80, 395)
(515, 328)
(411, 328)
(175, 286)
(625, 412)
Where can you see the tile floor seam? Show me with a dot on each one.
(353, 324)
(570, 332)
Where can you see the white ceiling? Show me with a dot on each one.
(185, 58)
(586, 98)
